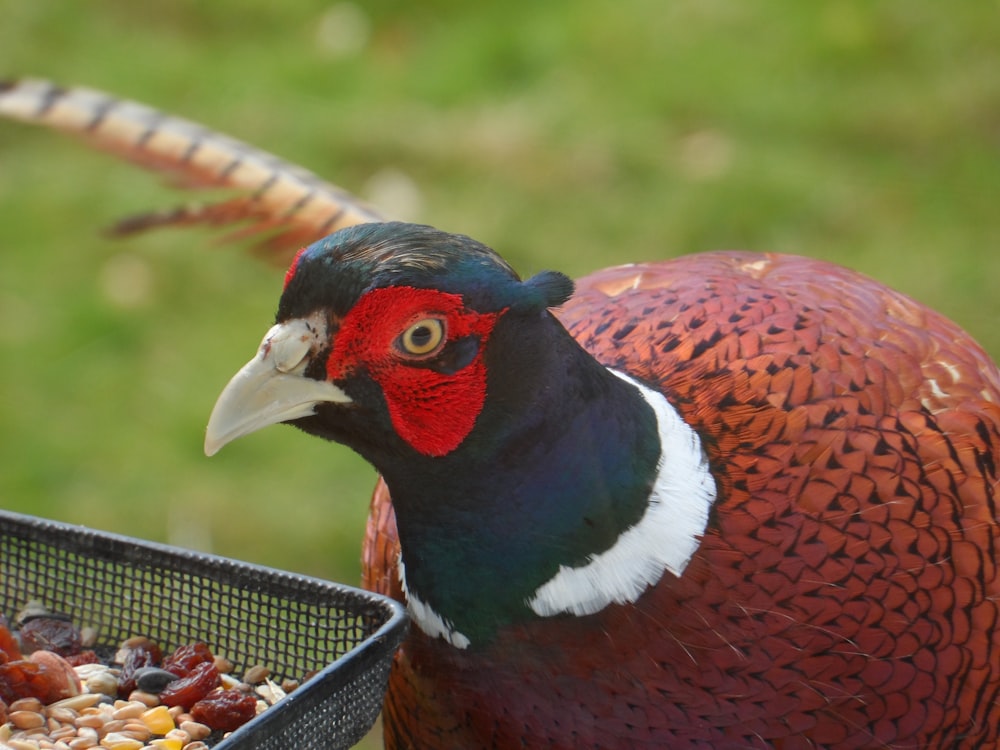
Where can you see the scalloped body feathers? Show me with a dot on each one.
(846, 590)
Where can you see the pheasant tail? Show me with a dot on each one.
(288, 205)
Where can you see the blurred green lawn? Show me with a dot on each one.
(566, 135)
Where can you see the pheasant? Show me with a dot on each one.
(729, 500)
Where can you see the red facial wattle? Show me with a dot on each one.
(432, 409)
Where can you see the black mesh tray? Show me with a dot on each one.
(250, 614)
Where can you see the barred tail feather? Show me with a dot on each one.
(286, 204)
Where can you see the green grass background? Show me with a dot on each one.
(566, 135)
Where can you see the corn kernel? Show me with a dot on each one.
(119, 741)
(158, 720)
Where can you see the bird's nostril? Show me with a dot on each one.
(288, 344)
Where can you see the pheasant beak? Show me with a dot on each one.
(271, 387)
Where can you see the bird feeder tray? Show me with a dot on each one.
(295, 625)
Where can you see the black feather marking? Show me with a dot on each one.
(332, 220)
(52, 95)
(231, 167)
(707, 343)
(301, 202)
(152, 128)
(100, 114)
(192, 148)
(625, 330)
(267, 184)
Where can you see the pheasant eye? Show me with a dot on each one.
(423, 337)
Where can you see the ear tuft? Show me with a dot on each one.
(547, 289)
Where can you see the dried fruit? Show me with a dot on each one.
(198, 700)
(20, 679)
(9, 650)
(50, 633)
(225, 710)
(84, 657)
(186, 657)
(143, 653)
(137, 641)
(189, 690)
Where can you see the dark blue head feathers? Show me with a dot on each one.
(335, 271)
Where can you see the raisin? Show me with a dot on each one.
(22, 679)
(188, 690)
(225, 710)
(9, 649)
(143, 654)
(54, 634)
(87, 656)
(185, 658)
